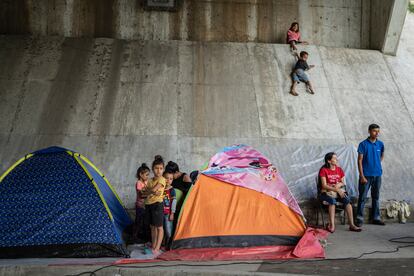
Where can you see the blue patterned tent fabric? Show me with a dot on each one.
(48, 203)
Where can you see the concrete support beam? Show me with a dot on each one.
(394, 27)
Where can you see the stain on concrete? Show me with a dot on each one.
(105, 17)
(196, 21)
(175, 21)
(14, 17)
(198, 90)
(265, 26)
(27, 56)
(67, 86)
(110, 81)
(229, 21)
(94, 18)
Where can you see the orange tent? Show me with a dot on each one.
(220, 214)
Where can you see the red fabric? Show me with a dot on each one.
(309, 245)
(136, 261)
(332, 176)
(225, 254)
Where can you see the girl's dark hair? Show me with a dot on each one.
(293, 24)
(172, 167)
(142, 169)
(167, 172)
(157, 161)
(328, 157)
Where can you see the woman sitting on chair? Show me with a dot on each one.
(332, 180)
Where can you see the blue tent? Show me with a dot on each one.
(55, 203)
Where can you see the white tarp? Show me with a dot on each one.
(299, 166)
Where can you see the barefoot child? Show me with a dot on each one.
(299, 74)
(169, 208)
(154, 204)
(293, 36)
(142, 176)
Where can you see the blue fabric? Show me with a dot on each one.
(374, 182)
(53, 149)
(48, 199)
(332, 201)
(120, 215)
(372, 152)
(167, 228)
(299, 75)
(218, 170)
(234, 147)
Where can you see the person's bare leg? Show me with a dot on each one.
(309, 86)
(153, 236)
(160, 235)
(349, 213)
(293, 46)
(293, 89)
(332, 217)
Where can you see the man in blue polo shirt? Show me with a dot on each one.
(370, 156)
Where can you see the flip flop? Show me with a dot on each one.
(353, 229)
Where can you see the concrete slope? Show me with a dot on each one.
(121, 102)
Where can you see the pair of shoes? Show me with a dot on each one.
(355, 229)
(378, 222)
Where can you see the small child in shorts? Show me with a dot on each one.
(299, 74)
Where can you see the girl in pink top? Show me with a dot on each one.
(141, 233)
(293, 36)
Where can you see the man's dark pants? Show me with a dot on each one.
(374, 182)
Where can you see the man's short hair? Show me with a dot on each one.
(303, 53)
(373, 126)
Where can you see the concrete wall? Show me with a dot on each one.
(122, 102)
(380, 11)
(339, 23)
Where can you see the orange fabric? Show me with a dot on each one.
(215, 208)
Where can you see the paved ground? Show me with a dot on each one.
(341, 248)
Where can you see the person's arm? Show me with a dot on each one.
(186, 178)
(341, 184)
(382, 153)
(360, 170)
(296, 55)
(325, 185)
(173, 208)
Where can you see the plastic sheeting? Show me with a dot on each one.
(299, 166)
(242, 165)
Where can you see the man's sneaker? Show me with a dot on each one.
(358, 223)
(378, 222)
